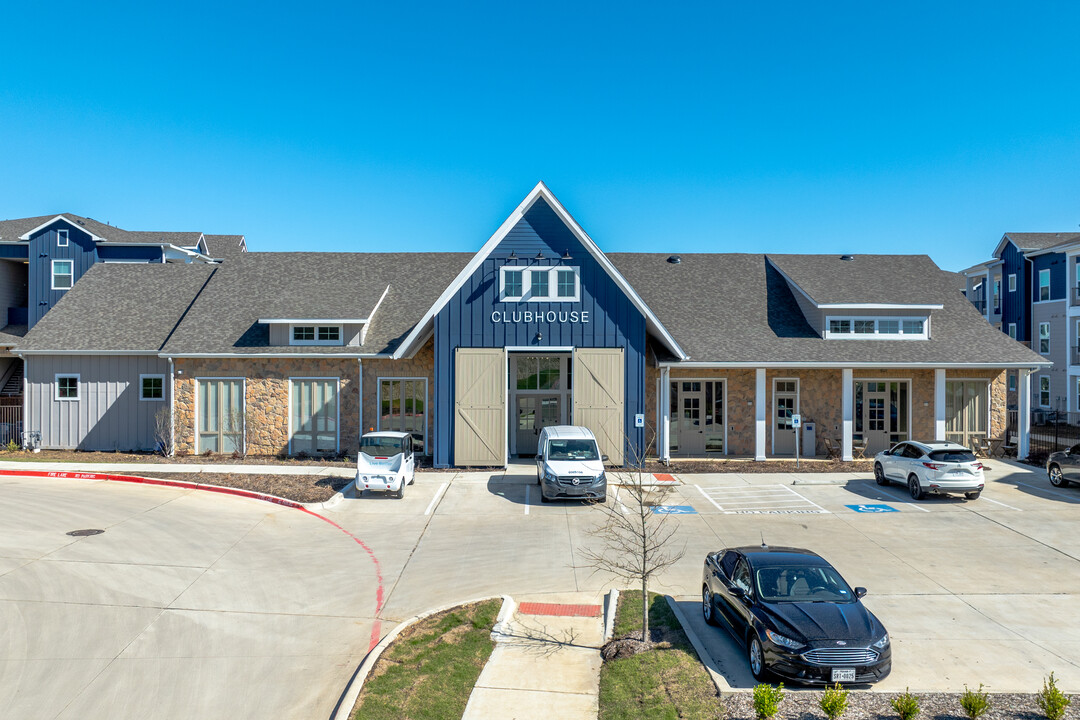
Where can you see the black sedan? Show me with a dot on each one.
(794, 614)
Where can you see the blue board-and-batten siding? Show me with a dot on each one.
(466, 321)
(1016, 306)
(81, 250)
(1055, 263)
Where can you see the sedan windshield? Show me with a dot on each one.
(802, 584)
(382, 446)
(572, 450)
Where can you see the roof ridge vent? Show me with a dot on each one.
(674, 259)
(847, 258)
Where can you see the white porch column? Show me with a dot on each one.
(939, 404)
(761, 414)
(847, 394)
(1023, 414)
(664, 431)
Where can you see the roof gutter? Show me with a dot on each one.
(241, 356)
(21, 353)
(860, 364)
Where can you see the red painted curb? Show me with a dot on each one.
(251, 494)
(664, 477)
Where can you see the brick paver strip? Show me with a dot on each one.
(663, 477)
(532, 608)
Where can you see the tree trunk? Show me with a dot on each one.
(644, 610)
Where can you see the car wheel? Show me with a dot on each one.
(973, 495)
(401, 490)
(914, 487)
(756, 656)
(879, 475)
(1056, 478)
(708, 609)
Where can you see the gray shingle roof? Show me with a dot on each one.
(888, 279)
(224, 247)
(1041, 241)
(120, 307)
(11, 335)
(737, 308)
(156, 237)
(11, 230)
(225, 317)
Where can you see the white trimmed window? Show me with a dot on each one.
(1044, 338)
(315, 335)
(67, 387)
(1012, 330)
(1012, 282)
(61, 238)
(996, 298)
(1044, 285)
(518, 283)
(887, 328)
(1012, 382)
(1044, 391)
(151, 387)
(63, 274)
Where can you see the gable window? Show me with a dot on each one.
(523, 284)
(884, 328)
(316, 335)
(1044, 285)
(1044, 391)
(61, 238)
(1012, 330)
(63, 274)
(1044, 338)
(1012, 282)
(151, 387)
(67, 387)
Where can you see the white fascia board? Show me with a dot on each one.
(1005, 240)
(877, 306)
(26, 236)
(17, 351)
(241, 356)
(327, 321)
(13, 242)
(860, 364)
(541, 190)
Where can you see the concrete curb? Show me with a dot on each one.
(502, 628)
(348, 698)
(349, 491)
(611, 604)
(703, 655)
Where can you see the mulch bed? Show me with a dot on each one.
(803, 705)
(84, 456)
(299, 488)
(752, 466)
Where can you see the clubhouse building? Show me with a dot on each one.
(661, 355)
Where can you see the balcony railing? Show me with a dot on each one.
(1075, 296)
(980, 305)
(1074, 356)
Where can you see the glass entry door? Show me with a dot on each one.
(881, 413)
(966, 410)
(534, 413)
(221, 416)
(697, 417)
(785, 404)
(314, 416)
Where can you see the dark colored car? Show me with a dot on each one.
(1063, 467)
(795, 616)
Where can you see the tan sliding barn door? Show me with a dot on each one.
(480, 407)
(598, 397)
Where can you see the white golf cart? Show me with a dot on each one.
(385, 462)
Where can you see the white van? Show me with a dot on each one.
(569, 465)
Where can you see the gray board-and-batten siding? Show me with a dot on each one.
(108, 415)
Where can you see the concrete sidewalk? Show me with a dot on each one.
(546, 662)
(136, 468)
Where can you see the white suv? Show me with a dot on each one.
(569, 465)
(939, 468)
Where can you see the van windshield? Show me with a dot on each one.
(382, 446)
(572, 450)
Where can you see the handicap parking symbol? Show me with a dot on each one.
(873, 508)
(674, 510)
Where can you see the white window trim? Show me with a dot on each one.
(1011, 385)
(1011, 332)
(243, 408)
(722, 381)
(316, 341)
(56, 387)
(553, 283)
(62, 235)
(52, 278)
(876, 335)
(163, 386)
(1046, 274)
(1040, 391)
(910, 401)
(1012, 282)
(1047, 326)
(378, 405)
(337, 394)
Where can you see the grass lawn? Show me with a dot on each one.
(429, 671)
(666, 682)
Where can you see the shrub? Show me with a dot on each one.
(1052, 701)
(975, 704)
(834, 702)
(12, 446)
(906, 705)
(767, 700)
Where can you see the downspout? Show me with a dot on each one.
(360, 398)
(172, 409)
(26, 404)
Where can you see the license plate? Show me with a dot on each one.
(843, 674)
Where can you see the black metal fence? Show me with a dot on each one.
(1050, 431)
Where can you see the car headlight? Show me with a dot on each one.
(779, 639)
(549, 475)
(883, 642)
(600, 478)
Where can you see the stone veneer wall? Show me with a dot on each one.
(421, 365)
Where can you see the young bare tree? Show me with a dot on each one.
(163, 436)
(636, 542)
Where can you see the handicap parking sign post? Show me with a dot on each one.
(873, 508)
(796, 421)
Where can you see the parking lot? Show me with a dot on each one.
(194, 605)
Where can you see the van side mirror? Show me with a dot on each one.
(603, 458)
(860, 592)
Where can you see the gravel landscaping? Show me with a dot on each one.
(300, 488)
(865, 705)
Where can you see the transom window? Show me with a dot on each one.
(63, 274)
(152, 387)
(883, 328)
(522, 284)
(1044, 285)
(67, 387)
(316, 334)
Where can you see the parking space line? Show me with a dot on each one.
(527, 489)
(1048, 490)
(435, 500)
(776, 499)
(888, 492)
(700, 490)
(1002, 504)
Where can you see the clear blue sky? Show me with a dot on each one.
(720, 126)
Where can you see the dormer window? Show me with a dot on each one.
(879, 328)
(523, 284)
(61, 238)
(316, 335)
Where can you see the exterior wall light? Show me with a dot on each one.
(539, 255)
(566, 255)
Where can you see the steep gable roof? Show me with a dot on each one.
(1034, 242)
(862, 280)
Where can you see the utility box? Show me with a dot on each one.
(809, 439)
